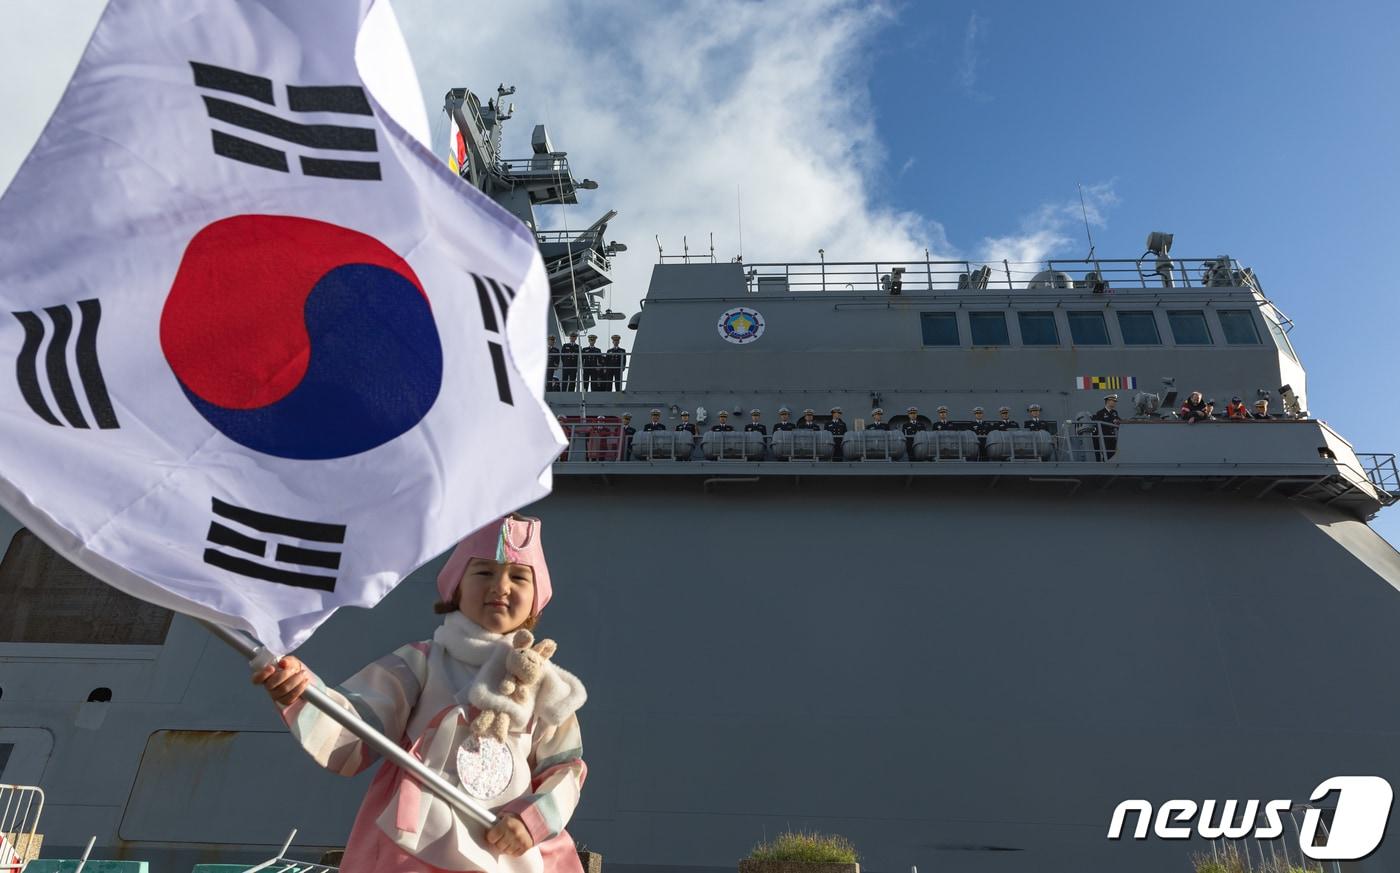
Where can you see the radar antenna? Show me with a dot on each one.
(1084, 210)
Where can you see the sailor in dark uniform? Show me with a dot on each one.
(614, 364)
(655, 424)
(911, 426)
(723, 426)
(943, 423)
(1035, 422)
(593, 365)
(808, 422)
(1108, 420)
(981, 427)
(784, 420)
(1261, 411)
(754, 425)
(837, 428)
(551, 363)
(1004, 420)
(568, 358)
(877, 420)
(628, 431)
(685, 424)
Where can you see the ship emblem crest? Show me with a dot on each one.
(741, 325)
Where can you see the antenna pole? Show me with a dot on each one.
(739, 201)
(1085, 212)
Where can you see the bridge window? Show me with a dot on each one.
(1238, 325)
(1087, 329)
(989, 328)
(45, 599)
(940, 328)
(1038, 329)
(1189, 327)
(1139, 328)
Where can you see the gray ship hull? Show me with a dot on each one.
(964, 676)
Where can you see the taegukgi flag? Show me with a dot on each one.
(264, 353)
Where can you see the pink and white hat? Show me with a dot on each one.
(514, 539)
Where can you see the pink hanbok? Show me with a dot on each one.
(426, 694)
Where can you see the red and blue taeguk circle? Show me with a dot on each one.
(301, 339)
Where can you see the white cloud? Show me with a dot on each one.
(1053, 229)
(971, 56)
(40, 42)
(672, 108)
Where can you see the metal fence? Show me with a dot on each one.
(1381, 470)
(604, 438)
(1100, 275)
(21, 807)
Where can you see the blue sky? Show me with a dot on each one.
(1267, 131)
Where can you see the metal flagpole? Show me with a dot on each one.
(259, 657)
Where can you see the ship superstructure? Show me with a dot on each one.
(962, 650)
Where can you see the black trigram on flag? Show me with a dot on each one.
(492, 294)
(237, 536)
(343, 99)
(43, 359)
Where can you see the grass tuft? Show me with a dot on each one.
(1231, 860)
(811, 848)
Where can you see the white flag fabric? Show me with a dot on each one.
(269, 353)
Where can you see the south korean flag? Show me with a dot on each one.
(251, 376)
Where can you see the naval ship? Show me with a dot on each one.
(961, 649)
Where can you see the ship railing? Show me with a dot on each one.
(1381, 469)
(598, 439)
(1100, 275)
(536, 166)
(280, 863)
(584, 255)
(605, 379)
(21, 807)
(1085, 440)
(582, 239)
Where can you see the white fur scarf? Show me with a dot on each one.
(559, 693)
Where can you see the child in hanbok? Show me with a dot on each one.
(480, 703)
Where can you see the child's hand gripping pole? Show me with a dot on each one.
(260, 658)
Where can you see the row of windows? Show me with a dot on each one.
(1089, 328)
